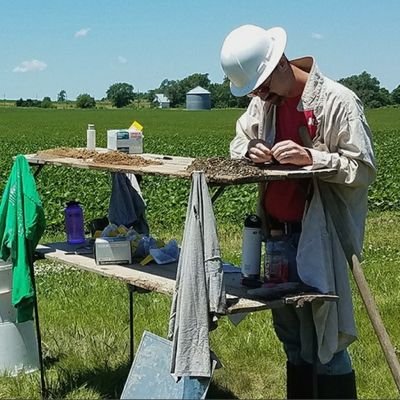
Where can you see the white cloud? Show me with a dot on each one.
(82, 32)
(318, 36)
(122, 60)
(30, 66)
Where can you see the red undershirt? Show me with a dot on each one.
(285, 199)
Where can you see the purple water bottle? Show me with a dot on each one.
(74, 223)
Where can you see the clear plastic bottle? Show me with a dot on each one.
(276, 268)
(91, 137)
(74, 224)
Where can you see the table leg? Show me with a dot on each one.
(314, 369)
(217, 193)
(131, 289)
(38, 169)
(38, 335)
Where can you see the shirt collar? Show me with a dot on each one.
(312, 89)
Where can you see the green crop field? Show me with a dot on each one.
(85, 318)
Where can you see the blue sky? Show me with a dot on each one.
(84, 46)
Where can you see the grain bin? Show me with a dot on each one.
(198, 99)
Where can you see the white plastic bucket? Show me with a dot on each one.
(7, 310)
(18, 348)
(5, 275)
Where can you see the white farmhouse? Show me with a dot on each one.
(161, 100)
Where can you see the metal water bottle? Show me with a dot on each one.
(74, 225)
(251, 250)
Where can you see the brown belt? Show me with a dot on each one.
(286, 227)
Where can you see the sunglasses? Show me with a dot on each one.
(263, 88)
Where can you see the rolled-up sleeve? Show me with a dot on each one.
(247, 128)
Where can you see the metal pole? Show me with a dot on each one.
(38, 334)
(217, 193)
(315, 358)
(131, 289)
(36, 309)
(38, 169)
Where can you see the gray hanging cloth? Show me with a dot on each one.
(126, 203)
(199, 292)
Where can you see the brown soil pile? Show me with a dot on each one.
(117, 157)
(111, 157)
(218, 166)
(68, 152)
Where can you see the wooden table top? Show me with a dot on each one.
(161, 279)
(176, 167)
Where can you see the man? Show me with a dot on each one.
(298, 116)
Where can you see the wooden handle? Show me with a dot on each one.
(376, 321)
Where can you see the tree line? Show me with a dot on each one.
(120, 95)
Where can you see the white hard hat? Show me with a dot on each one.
(249, 54)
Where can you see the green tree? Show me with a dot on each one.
(221, 96)
(149, 96)
(28, 103)
(173, 91)
(396, 95)
(120, 94)
(62, 96)
(368, 90)
(46, 102)
(85, 101)
(176, 90)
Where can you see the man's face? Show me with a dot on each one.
(275, 88)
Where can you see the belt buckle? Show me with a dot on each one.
(291, 227)
(286, 228)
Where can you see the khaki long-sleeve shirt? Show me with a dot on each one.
(343, 142)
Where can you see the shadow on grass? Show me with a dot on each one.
(218, 392)
(109, 383)
(49, 361)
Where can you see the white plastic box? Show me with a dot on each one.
(112, 250)
(125, 140)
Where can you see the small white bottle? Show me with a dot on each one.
(91, 137)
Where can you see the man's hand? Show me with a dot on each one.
(260, 153)
(289, 152)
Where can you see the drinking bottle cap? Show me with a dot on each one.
(72, 203)
(252, 221)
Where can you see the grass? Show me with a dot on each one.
(85, 318)
(85, 328)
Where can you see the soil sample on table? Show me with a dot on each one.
(117, 157)
(91, 156)
(67, 152)
(219, 166)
